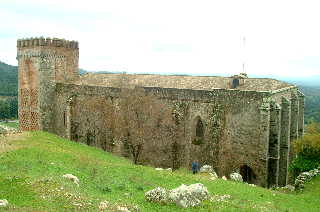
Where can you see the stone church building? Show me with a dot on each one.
(253, 120)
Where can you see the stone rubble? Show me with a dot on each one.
(72, 178)
(5, 131)
(3, 202)
(236, 177)
(186, 196)
(304, 176)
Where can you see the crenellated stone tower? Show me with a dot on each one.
(43, 63)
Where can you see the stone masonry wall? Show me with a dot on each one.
(231, 120)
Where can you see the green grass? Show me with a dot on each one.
(11, 124)
(31, 180)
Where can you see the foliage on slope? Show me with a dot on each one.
(308, 151)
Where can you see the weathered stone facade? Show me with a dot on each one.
(245, 125)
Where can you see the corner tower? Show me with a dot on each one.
(41, 64)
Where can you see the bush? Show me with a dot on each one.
(307, 150)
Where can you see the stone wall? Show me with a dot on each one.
(231, 118)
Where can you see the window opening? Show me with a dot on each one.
(199, 129)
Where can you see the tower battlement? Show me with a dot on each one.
(55, 42)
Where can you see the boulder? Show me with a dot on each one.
(236, 177)
(3, 202)
(206, 169)
(72, 178)
(186, 196)
(157, 195)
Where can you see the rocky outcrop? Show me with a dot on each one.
(186, 196)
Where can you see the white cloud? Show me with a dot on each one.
(177, 36)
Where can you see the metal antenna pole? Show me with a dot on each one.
(244, 42)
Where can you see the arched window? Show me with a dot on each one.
(199, 129)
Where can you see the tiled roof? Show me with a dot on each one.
(180, 82)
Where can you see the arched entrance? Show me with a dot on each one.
(247, 174)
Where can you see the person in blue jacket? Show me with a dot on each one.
(195, 166)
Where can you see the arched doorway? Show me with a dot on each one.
(247, 174)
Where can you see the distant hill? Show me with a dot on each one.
(310, 90)
(312, 103)
(8, 80)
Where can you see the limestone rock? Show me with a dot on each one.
(104, 205)
(206, 169)
(169, 169)
(186, 196)
(3, 202)
(122, 208)
(224, 178)
(236, 177)
(159, 169)
(135, 208)
(157, 195)
(213, 175)
(72, 178)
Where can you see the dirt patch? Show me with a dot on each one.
(8, 143)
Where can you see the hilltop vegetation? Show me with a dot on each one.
(32, 165)
(8, 80)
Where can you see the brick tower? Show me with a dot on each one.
(41, 64)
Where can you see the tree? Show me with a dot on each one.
(308, 151)
(4, 109)
(144, 124)
(13, 102)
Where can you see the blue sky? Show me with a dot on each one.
(199, 37)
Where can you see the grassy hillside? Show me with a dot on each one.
(32, 165)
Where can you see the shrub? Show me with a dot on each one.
(307, 150)
(197, 141)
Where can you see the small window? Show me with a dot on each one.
(199, 129)
(235, 83)
(64, 118)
